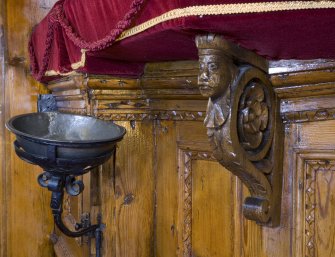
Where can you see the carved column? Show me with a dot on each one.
(243, 123)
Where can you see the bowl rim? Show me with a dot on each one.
(10, 127)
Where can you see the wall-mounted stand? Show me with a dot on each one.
(57, 185)
(65, 146)
(243, 123)
(58, 181)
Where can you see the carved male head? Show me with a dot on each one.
(217, 69)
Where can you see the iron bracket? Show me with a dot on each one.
(46, 103)
(57, 184)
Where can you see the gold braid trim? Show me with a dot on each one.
(224, 9)
(58, 73)
(74, 66)
(82, 61)
(219, 9)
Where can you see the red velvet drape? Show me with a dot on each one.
(73, 25)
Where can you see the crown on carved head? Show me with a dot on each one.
(210, 41)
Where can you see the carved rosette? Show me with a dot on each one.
(247, 140)
(253, 116)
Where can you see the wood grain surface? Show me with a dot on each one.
(165, 195)
(26, 221)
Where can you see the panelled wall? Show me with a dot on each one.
(25, 221)
(164, 195)
(167, 196)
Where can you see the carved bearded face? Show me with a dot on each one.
(214, 73)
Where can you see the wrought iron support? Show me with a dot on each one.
(57, 184)
(243, 123)
(46, 103)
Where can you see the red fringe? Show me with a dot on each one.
(57, 16)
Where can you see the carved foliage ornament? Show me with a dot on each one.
(243, 125)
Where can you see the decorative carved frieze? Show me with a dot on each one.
(243, 124)
(154, 115)
(308, 116)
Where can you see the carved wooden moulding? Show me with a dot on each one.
(243, 123)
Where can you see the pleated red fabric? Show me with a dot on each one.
(73, 25)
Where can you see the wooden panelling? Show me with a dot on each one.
(312, 158)
(166, 188)
(201, 233)
(61, 247)
(314, 198)
(134, 192)
(26, 221)
(122, 192)
(212, 237)
(164, 195)
(316, 134)
(323, 186)
(3, 210)
(256, 241)
(104, 199)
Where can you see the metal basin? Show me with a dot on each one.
(64, 142)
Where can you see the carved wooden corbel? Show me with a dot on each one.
(243, 123)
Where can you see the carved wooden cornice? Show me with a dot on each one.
(166, 89)
(243, 123)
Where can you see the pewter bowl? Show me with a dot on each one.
(64, 143)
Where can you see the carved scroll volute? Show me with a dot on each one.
(243, 124)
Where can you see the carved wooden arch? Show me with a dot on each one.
(243, 123)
